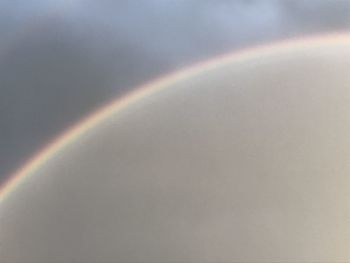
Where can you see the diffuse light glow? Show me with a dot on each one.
(137, 94)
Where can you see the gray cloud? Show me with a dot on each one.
(60, 60)
(247, 162)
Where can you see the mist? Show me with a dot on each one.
(61, 60)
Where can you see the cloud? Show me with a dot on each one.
(60, 60)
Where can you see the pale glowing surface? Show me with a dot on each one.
(241, 158)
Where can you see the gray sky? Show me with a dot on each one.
(60, 60)
(244, 162)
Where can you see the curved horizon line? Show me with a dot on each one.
(141, 91)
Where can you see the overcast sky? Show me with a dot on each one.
(60, 60)
(247, 161)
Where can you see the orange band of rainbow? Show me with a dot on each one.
(137, 94)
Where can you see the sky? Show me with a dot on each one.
(245, 159)
(61, 60)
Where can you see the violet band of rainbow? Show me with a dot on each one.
(73, 134)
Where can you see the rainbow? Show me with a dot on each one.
(73, 134)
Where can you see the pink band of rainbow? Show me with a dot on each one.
(137, 94)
